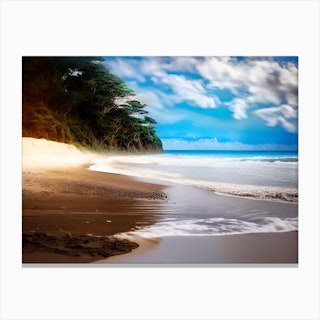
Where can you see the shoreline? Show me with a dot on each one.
(72, 214)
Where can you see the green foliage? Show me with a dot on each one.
(76, 100)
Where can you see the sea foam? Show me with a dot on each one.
(215, 226)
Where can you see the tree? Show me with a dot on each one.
(78, 100)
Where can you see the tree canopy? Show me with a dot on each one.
(78, 100)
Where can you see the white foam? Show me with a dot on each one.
(215, 226)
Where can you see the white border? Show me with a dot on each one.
(160, 28)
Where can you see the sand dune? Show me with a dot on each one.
(40, 153)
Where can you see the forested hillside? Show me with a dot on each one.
(78, 100)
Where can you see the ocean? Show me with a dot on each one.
(259, 175)
(268, 176)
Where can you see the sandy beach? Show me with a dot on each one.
(70, 214)
(75, 202)
(75, 215)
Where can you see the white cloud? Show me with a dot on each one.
(239, 108)
(263, 94)
(255, 82)
(283, 115)
(151, 65)
(221, 72)
(126, 68)
(185, 89)
(214, 144)
(150, 98)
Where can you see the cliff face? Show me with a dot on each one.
(78, 100)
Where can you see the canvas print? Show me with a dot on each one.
(160, 160)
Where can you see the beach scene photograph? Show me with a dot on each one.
(160, 160)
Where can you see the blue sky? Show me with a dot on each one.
(224, 103)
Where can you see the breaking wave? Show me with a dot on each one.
(215, 226)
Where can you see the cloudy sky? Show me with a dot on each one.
(217, 102)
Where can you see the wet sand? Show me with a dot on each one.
(76, 203)
(253, 248)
